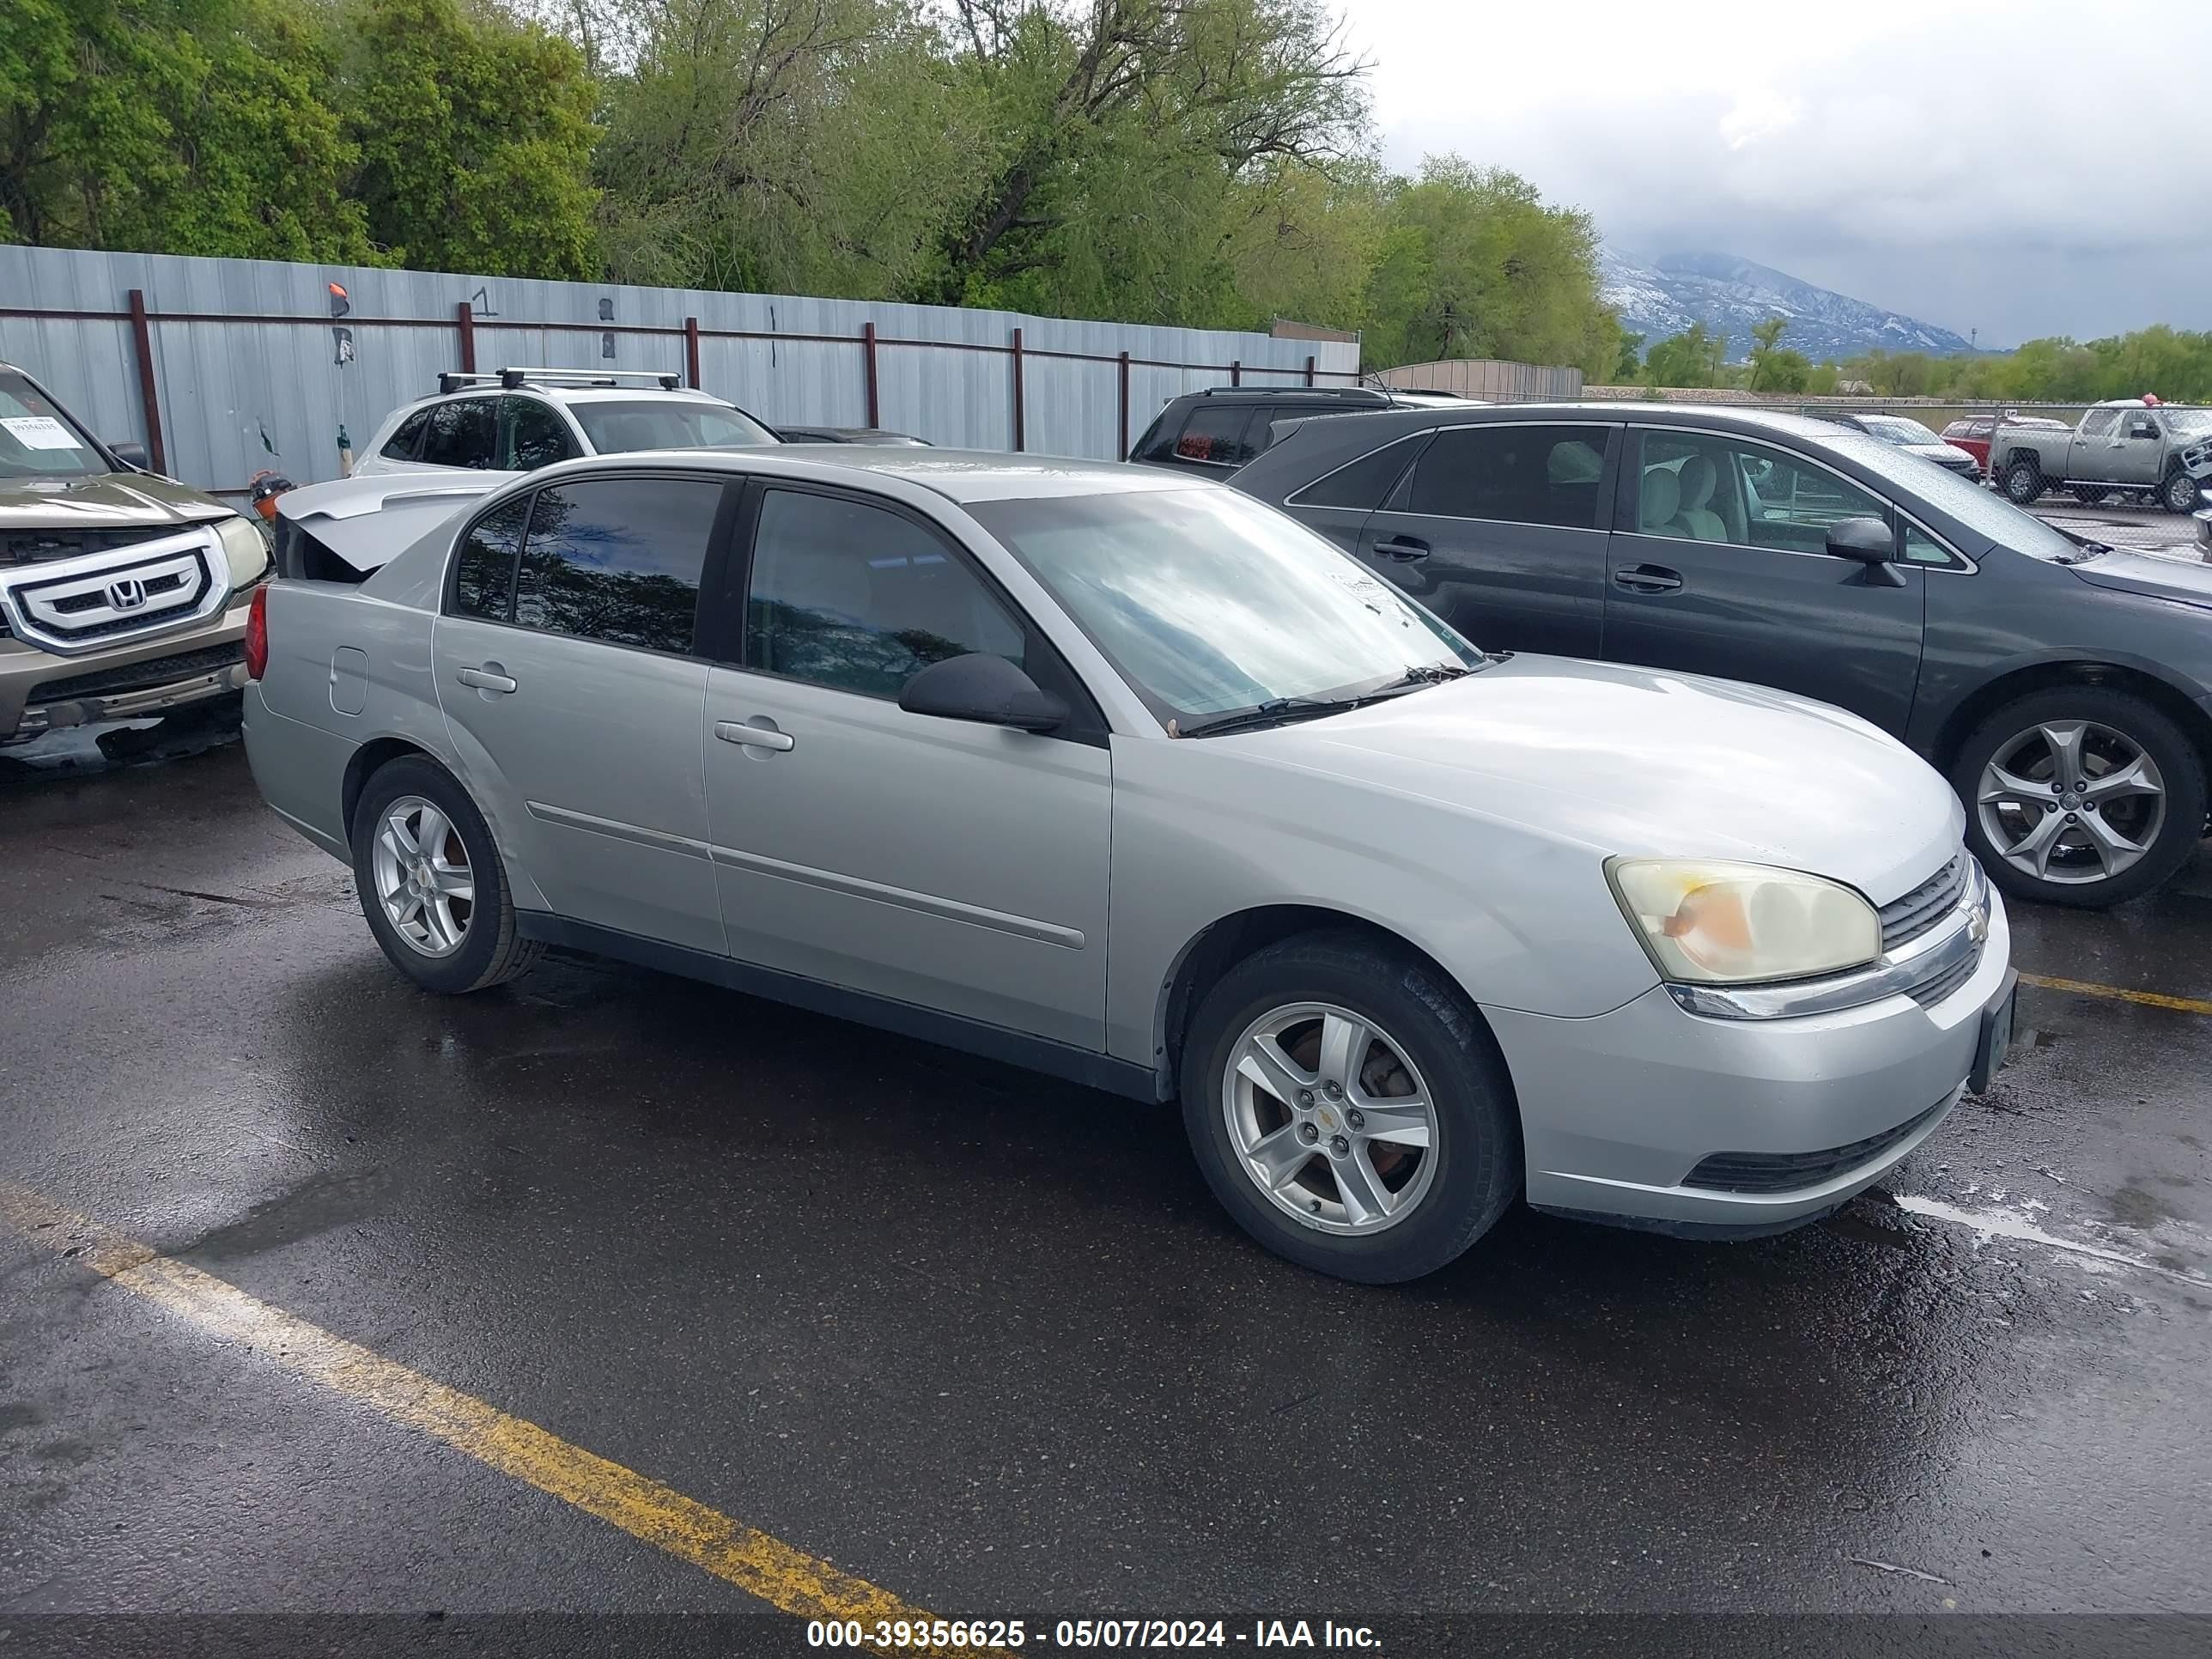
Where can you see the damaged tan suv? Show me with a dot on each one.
(123, 594)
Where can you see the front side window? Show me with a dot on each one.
(622, 427)
(400, 447)
(37, 440)
(861, 599)
(460, 433)
(1691, 487)
(1208, 603)
(1215, 432)
(617, 560)
(484, 573)
(1541, 475)
(535, 436)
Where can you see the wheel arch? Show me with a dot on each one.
(1230, 940)
(2162, 694)
(370, 758)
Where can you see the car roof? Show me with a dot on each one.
(958, 475)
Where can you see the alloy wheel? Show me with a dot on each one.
(1330, 1118)
(2071, 801)
(423, 877)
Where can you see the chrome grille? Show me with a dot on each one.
(1914, 914)
(68, 606)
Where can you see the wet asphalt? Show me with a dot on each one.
(983, 1339)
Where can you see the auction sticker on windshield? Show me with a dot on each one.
(39, 432)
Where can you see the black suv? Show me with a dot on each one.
(2063, 687)
(1216, 431)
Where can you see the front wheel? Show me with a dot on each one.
(1349, 1110)
(2179, 492)
(2079, 795)
(2023, 481)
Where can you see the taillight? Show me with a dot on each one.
(257, 634)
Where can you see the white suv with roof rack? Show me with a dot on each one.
(517, 420)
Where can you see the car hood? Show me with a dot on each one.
(1641, 762)
(114, 501)
(1944, 453)
(2181, 576)
(367, 520)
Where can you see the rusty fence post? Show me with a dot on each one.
(868, 364)
(1309, 370)
(1236, 371)
(465, 324)
(691, 352)
(1018, 433)
(142, 335)
(1125, 405)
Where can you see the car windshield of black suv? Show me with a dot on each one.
(1983, 511)
(1209, 603)
(617, 428)
(37, 440)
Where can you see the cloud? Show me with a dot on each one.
(2030, 168)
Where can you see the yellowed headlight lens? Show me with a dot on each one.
(1720, 923)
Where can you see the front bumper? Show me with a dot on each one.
(1619, 1110)
(41, 692)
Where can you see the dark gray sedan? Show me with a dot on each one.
(2063, 687)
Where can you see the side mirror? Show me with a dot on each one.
(1869, 542)
(130, 454)
(988, 690)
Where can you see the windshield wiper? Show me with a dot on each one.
(1278, 711)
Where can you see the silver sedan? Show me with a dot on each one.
(1120, 776)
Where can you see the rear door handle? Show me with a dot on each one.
(753, 737)
(1404, 549)
(485, 679)
(1647, 579)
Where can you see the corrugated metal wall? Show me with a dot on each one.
(1491, 377)
(246, 373)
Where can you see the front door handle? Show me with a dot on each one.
(1647, 579)
(753, 737)
(486, 680)
(1402, 550)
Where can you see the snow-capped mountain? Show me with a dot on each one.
(1728, 294)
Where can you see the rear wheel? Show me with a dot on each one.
(1348, 1109)
(2023, 481)
(2179, 492)
(2081, 795)
(431, 883)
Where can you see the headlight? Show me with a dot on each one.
(246, 544)
(1710, 922)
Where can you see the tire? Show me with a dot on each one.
(488, 951)
(2089, 495)
(2179, 493)
(2115, 726)
(1428, 1037)
(2023, 481)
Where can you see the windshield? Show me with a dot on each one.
(2189, 423)
(617, 428)
(37, 440)
(1211, 603)
(1894, 429)
(1983, 511)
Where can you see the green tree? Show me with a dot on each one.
(175, 126)
(475, 136)
(1694, 357)
(1630, 363)
(1773, 369)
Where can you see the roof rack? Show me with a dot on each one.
(509, 378)
(1346, 393)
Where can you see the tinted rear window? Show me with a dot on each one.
(1215, 432)
(1543, 475)
(401, 447)
(460, 433)
(619, 560)
(1364, 484)
(483, 577)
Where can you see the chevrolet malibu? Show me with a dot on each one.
(1118, 774)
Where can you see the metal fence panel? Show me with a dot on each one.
(247, 371)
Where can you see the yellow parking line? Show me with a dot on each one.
(784, 1578)
(2082, 987)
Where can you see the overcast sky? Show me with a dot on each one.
(2023, 168)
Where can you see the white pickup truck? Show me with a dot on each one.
(2126, 447)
